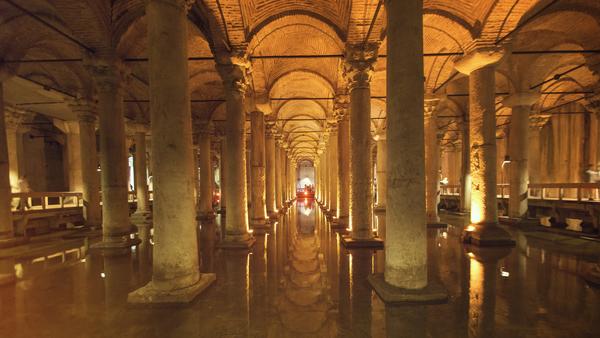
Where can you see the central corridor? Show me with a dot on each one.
(298, 281)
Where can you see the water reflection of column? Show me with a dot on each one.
(117, 275)
(237, 265)
(207, 244)
(360, 267)
(259, 301)
(405, 321)
(482, 290)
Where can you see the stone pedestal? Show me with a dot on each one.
(234, 75)
(405, 277)
(176, 274)
(484, 230)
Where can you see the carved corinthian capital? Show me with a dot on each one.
(358, 66)
(234, 70)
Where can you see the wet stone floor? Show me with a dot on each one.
(299, 282)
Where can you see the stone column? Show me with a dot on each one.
(223, 176)
(465, 168)
(205, 198)
(176, 277)
(270, 171)
(6, 221)
(234, 75)
(405, 274)
(278, 177)
(343, 213)
(258, 216)
(116, 226)
(518, 151)
(88, 154)
(358, 70)
(480, 66)
(13, 120)
(381, 173)
(432, 165)
(142, 216)
(333, 168)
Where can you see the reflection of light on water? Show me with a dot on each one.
(19, 270)
(444, 235)
(475, 295)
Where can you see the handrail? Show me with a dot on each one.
(551, 191)
(36, 200)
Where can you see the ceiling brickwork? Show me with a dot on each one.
(266, 29)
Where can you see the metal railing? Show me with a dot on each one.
(32, 201)
(544, 191)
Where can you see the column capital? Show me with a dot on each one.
(480, 56)
(206, 129)
(340, 106)
(521, 99)
(358, 65)
(14, 117)
(107, 74)
(84, 109)
(234, 70)
(592, 104)
(134, 127)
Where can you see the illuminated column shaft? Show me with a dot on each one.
(479, 65)
(89, 166)
(6, 220)
(236, 222)
(113, 155)
(175, 276)
(278, 177)
(140, 167)
(519, 152)
(259, 211)
(358, 70)
(270, 172)
(406, 230)
(343, 213)
(381, 173)
(333, 169)
(223, 175)
(432, 154)
(465, 170)
(205, 208)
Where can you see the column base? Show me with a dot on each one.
(114, 246)
(437, 225)
(379, 209)
(487, 235)
(221, 211)
(260, 225)
(141, 219)
(206, 216)
(433, 293)
(10, 242)
(354, 243)
(151, 294)
(236, 243)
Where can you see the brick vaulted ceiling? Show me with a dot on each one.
(116, 29)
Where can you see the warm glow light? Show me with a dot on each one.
(102, 274)
(476, 209)
(444, 181)
(504, 273)
(470, 228)
(19, 270)
(444, 235)
(471, 255)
